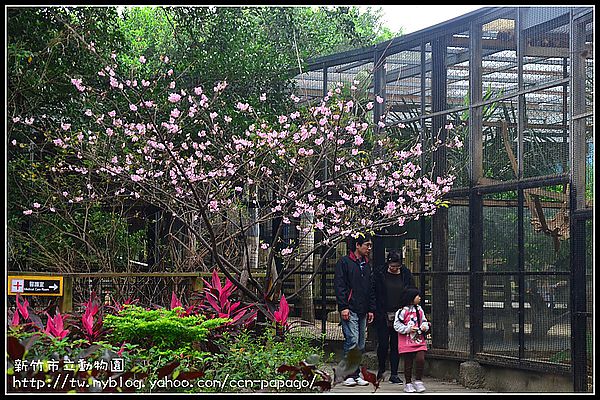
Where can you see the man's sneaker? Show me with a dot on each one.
(349, 382)
(361, 382)
(380, 375)
(419, 387)
(409, 388)
(395, 379)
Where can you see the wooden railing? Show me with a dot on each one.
(66, 301)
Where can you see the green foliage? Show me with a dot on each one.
(257, 50)
(159, 328)
(164, 336)
(245, 357)
(54, 241)
(254, 356)
(43, 54)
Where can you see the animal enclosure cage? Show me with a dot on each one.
(507, 268)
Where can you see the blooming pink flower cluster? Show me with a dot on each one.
(316, 162)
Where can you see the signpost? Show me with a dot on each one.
(35, 285)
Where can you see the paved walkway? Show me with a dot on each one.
(433, 385)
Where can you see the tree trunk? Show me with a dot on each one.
(306, 246)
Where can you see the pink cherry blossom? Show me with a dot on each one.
(174, 97)
(78, 84)
(242, 106)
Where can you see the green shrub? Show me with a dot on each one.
(164, 336)
(159, 328)
(257, 358)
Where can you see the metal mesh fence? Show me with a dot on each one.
(548, 323)
(525, 81)
(403, 81)
(589, 162)
(589, 333)
(500, 315)
(545, 137)
(458, 157)
(458, 236)
(457, 74)
(589, 66)
(546, 231)
(500, 139)
(149, 291)
(500, 239)
(310, 85)
(458, 315)
(499, 57)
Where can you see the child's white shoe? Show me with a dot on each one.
(419, 387)
(409, 388)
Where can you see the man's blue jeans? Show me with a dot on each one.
(355, 332)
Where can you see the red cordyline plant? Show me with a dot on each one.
(281, 315)
(22, 309)
(55, 326)
(176, 303)
(31, 321)
(218, 297)
(92, 319)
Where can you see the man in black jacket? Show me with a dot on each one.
(391, 281)
(355, 296)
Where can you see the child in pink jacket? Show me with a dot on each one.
(410, 323)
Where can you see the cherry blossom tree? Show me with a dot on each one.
(223, 168)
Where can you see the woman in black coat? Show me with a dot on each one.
(391, 280)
